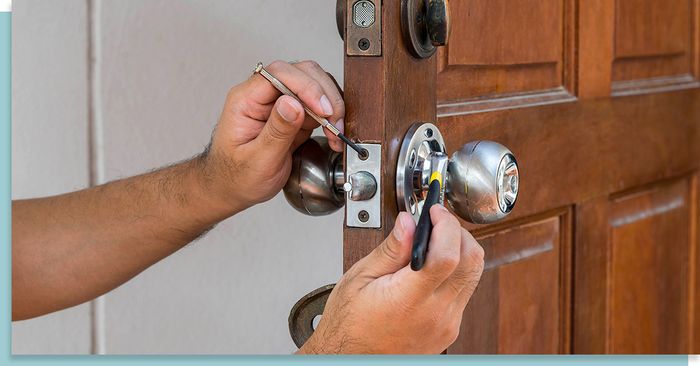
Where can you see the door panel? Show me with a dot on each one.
(652, 39)
(480, 50)
(641, 261)
(599, 101)
(524, 290)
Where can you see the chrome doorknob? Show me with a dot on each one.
(315, 183)
(482, 182)
(481, 179)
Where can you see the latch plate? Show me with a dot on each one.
(364, 214)
(363, 38)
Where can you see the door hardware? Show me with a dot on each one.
(361, 26)
(317, 184)
(481, 181)
(303, 313)
(425, 25)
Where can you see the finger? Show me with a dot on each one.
(394, 253)
(442, 257)
(462, 283)
(332, 92)
(309, 91)
(276, 138)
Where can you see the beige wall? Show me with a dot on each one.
(161, 72)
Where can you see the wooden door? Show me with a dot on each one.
(599, 101)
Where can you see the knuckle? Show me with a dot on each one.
(312, 89)
(274, 134)
(389, 250)
(446, 263)
(276, 65)
(476, 257)
(310, 64)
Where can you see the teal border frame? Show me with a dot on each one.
(6, 286)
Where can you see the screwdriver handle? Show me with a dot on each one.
(424, 227)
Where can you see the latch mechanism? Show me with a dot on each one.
(317, 185)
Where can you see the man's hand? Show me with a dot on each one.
(382, 306)
(251, 151)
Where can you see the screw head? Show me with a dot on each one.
(363, 216)
(363, 44)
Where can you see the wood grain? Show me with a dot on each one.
(606, 129)
(654, 39)
(522, 292)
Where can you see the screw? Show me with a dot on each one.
(363, 44)
(364, 154)
(429, 133)
(363, 216)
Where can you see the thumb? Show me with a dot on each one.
(394, 252)
(281, 128)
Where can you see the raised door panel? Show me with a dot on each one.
(634, 272)
(502, 48)
(523, 292)
(655, 44)
(649, 270)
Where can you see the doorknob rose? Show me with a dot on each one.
(482, 182)
(315, 183)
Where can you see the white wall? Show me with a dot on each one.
(163, 70)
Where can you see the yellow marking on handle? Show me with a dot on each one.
(436, 176)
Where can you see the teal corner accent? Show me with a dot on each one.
(6, 286)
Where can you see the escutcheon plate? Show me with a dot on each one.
(412, 169)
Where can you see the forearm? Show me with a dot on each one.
(71, 248)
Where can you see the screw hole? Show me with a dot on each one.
(429, 133)
(364, 154)
(412, 159)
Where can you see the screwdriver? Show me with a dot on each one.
(259, 69)
(425, 225)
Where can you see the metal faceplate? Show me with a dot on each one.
(364, 214)
(413, 169)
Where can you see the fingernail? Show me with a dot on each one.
(326, 106)
(288, 111)
(399, 228)
(402, 221)
(340, 125)
(441, 207)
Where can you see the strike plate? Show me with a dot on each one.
(364, 214)
(363, 23)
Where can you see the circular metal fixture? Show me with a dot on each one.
(413, 167)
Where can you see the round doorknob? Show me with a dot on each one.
(315, 183)
(482, 182)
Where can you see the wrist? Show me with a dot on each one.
(213, 193)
